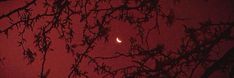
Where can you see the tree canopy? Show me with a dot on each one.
(82, 24)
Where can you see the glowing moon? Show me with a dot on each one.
(118, 40)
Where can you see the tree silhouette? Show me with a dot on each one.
(96, 17)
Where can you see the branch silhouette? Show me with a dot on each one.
(96, 18)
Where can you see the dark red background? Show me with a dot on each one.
(59, 61)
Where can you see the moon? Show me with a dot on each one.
(118, 40)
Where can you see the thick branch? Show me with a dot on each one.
(227, 59)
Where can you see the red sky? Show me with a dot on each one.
(59, 61)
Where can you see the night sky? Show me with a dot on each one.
(58, 61)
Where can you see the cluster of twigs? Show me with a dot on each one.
(96, 17)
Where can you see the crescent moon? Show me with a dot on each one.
(118, 40)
